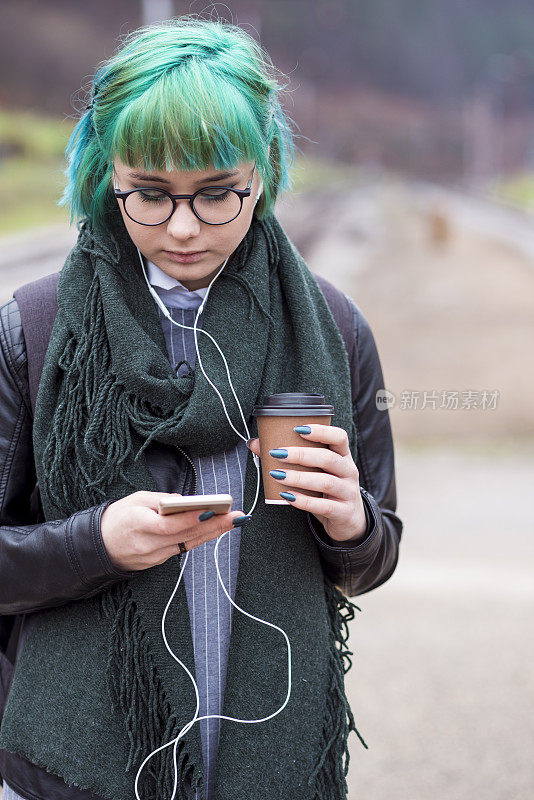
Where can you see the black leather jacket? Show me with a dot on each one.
(45, 564)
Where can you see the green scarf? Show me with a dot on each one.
(95, 690)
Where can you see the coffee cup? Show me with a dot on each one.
(276, 418)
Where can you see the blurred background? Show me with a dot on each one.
(414, 193)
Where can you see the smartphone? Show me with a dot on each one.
(220, 503)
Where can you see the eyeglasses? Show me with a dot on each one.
(215, 205)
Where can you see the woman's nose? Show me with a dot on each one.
(183, 223)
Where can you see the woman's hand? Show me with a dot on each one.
(341, 510)
(136, 536)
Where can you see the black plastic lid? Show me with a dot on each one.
(293, 404)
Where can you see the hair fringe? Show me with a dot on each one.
(186, 93)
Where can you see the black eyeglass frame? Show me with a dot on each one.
(241, 193)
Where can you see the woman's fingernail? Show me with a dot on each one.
(278, 453)
(277, 473)
(288, 496)
(249, 441)
(206, 515)
(302, 429)
(238, 521)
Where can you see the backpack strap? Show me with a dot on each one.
(37, 302)
(343, 314)
(341, 311)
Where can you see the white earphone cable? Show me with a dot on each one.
(196, 718)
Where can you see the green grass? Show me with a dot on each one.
(29, 190)
(309, 174)
(34, 136)
(517, 189)
(31, 169)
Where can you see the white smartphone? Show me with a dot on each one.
(220, 503)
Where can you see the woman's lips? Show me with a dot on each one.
(185, 259)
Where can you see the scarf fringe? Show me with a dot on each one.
(135, 690)
(329, 775)
(92, 400)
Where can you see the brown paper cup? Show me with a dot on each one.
(276, 431)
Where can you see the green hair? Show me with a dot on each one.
(183, 94)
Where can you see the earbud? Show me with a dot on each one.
(260, 190)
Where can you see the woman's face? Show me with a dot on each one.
(184, 232)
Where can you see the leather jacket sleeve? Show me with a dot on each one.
(358, 568)
(42, 564)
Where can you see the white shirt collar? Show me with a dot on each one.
(173, 293)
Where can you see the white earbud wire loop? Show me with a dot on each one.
(196, 718)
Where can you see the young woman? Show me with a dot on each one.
(191, 655)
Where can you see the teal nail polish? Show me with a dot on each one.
(277, 473)
(278, 453)
(206, 515)
(288, 496)
(302, 429)
(238, 521)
